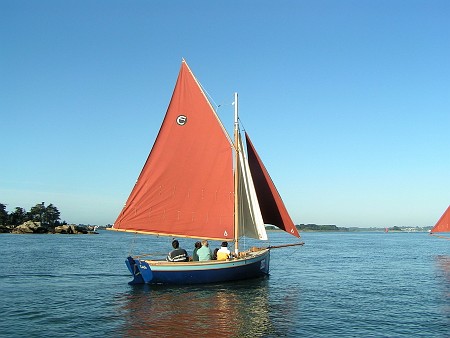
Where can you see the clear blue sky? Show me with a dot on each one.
(347, 102)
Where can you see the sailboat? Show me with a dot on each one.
(443, 224)
(198, 182)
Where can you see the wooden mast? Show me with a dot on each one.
(236, 176)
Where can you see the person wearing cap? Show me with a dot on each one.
(224, 253)
(177, 254)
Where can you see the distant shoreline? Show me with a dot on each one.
(334, 228)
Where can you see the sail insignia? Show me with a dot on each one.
(181, 120)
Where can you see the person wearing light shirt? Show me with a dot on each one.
(204, 253)
(224, 253)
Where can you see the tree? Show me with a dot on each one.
(3, 214)
(49, 215)
(52, 215)
(17, 217)
(37, 213)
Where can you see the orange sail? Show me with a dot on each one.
(272, 207)
(443, 225)
(186, 186)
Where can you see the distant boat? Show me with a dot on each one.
(443, 224)
(198, 183)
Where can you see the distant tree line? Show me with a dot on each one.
(320, 227)
(46, 215)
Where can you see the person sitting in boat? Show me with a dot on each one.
(204, 253)
(177, 254)
(214, 256)
(197, 246)
(224, 253)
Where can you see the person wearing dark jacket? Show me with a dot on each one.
(197, 246)
(177, 254)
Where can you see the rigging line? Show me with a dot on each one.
(220, 105)
(158, 254)
(209, 96)
(241, 124)
(133, 242)
(216, 106)
(294, 251)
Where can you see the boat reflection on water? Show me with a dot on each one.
(443, 264)
(443, 269)
(239, 309)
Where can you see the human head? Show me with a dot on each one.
(224, 244)
(198, 245)
(175, 244)
(204, 242)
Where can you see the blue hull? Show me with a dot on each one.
(161, 272)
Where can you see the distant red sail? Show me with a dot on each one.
(186, 185)
(443, 225)
(272, 207)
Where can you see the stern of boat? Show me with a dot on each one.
(265, 262)
(141, 271)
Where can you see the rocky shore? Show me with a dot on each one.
(31, 227)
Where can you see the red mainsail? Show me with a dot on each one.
(272, 207)
(186, 186)
(443, 225)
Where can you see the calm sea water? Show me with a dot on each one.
(337, 285)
